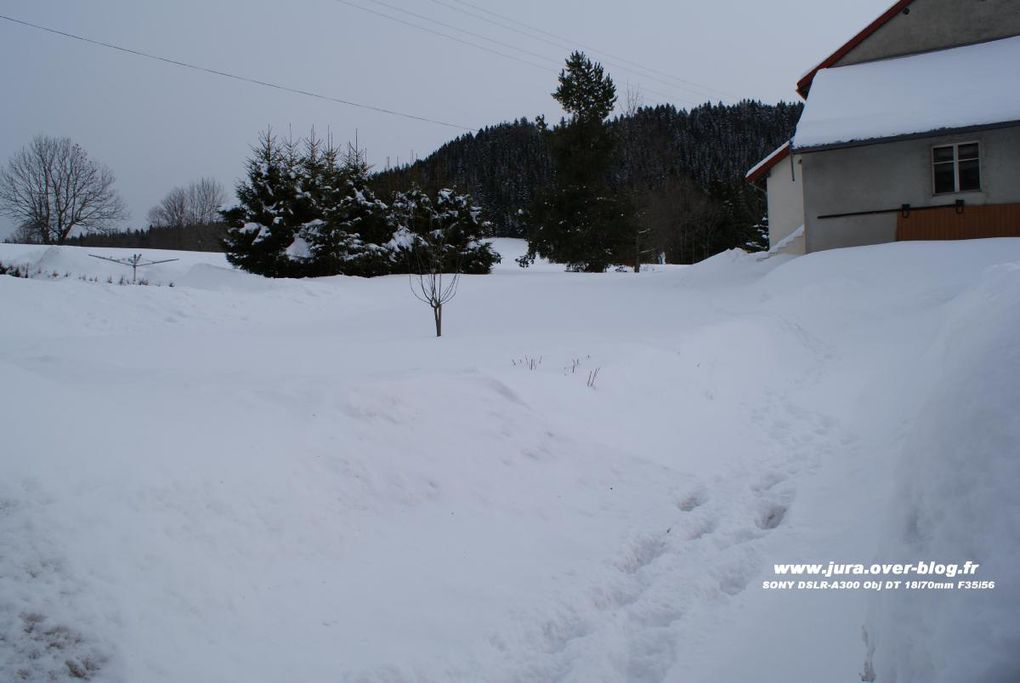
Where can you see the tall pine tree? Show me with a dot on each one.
(582, 220)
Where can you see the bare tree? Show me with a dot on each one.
(51, 188)
(428, 282)
(198, 204)
(206, 197)
(679, 215)
(172, 211)
(633, 100)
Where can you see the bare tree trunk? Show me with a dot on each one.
(427, 260)
(637, 252)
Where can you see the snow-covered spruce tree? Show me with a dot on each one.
(307, 213)
(262, 227)
(352, 235)
(318, 183)
(450, 225)
(462, 221)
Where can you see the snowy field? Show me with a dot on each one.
(238, 479)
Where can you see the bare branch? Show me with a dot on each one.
(198, 204)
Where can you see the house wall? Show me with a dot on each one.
(936, 25)
(888, 175)
(785, 198)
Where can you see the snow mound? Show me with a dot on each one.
(734, 267)
(956, 499)
(77, 262)
(213, 277)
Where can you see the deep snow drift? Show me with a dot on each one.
(237, 479)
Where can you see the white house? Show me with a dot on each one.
(910, 130)
(784, 186)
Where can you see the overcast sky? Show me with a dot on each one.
(158, 125)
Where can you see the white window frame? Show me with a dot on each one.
(956, 166)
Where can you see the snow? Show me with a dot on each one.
(788, 240)
(299, 248)
(261, 231)
(72, 262)
(966, 445)
(252, 480)
(965, 86)
(769, 160)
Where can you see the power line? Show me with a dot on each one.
(543, 32)
(236, 77)
(464, 31)
(412, 24)
(554, 62)
(690, 84)
(565, 44)
(440, 33)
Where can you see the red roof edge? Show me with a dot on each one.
(766, 164)
(804, 84)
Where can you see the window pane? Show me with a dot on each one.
(942, 154)
(944, 181)
(970, 175)
(968, 151)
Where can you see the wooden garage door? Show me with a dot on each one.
(971, 221)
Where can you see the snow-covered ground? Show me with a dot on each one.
(237, 479)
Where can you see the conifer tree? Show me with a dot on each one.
(263, 226)
(315, 187)
(352, 227)
(449, 228)
(463, 225)
(309, 213)
(582, 220)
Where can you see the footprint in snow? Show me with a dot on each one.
(771, 516)
(693, 501)
(642, 554)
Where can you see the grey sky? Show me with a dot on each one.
(158, 125)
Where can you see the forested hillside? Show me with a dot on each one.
(684, 171)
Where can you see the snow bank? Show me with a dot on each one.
(965, 86)
(956, 498)
(217, 277)
(731, 268)
(74, 262)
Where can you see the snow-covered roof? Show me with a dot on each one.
(961, 87)
(763, 166)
